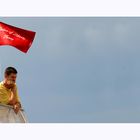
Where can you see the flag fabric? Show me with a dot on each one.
(16, 37)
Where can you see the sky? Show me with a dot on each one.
(78, 69)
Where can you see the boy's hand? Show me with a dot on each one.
(17, 107)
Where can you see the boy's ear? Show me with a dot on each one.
(5, 75)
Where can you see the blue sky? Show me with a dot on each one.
(78, 69)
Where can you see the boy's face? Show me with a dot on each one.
(11, 79)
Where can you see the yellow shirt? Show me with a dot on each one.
(5, 94)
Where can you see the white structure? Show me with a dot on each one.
(7, 115)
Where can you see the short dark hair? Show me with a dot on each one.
(10, 70)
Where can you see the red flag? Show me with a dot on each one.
(16, 37)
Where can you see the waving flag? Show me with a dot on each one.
(16, 37)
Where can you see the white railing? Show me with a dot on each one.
(7, 115)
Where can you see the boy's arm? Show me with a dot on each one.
(0, 96)
(15, 100)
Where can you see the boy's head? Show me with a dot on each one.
(10, 76)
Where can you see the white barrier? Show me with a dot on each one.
(7, 115)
